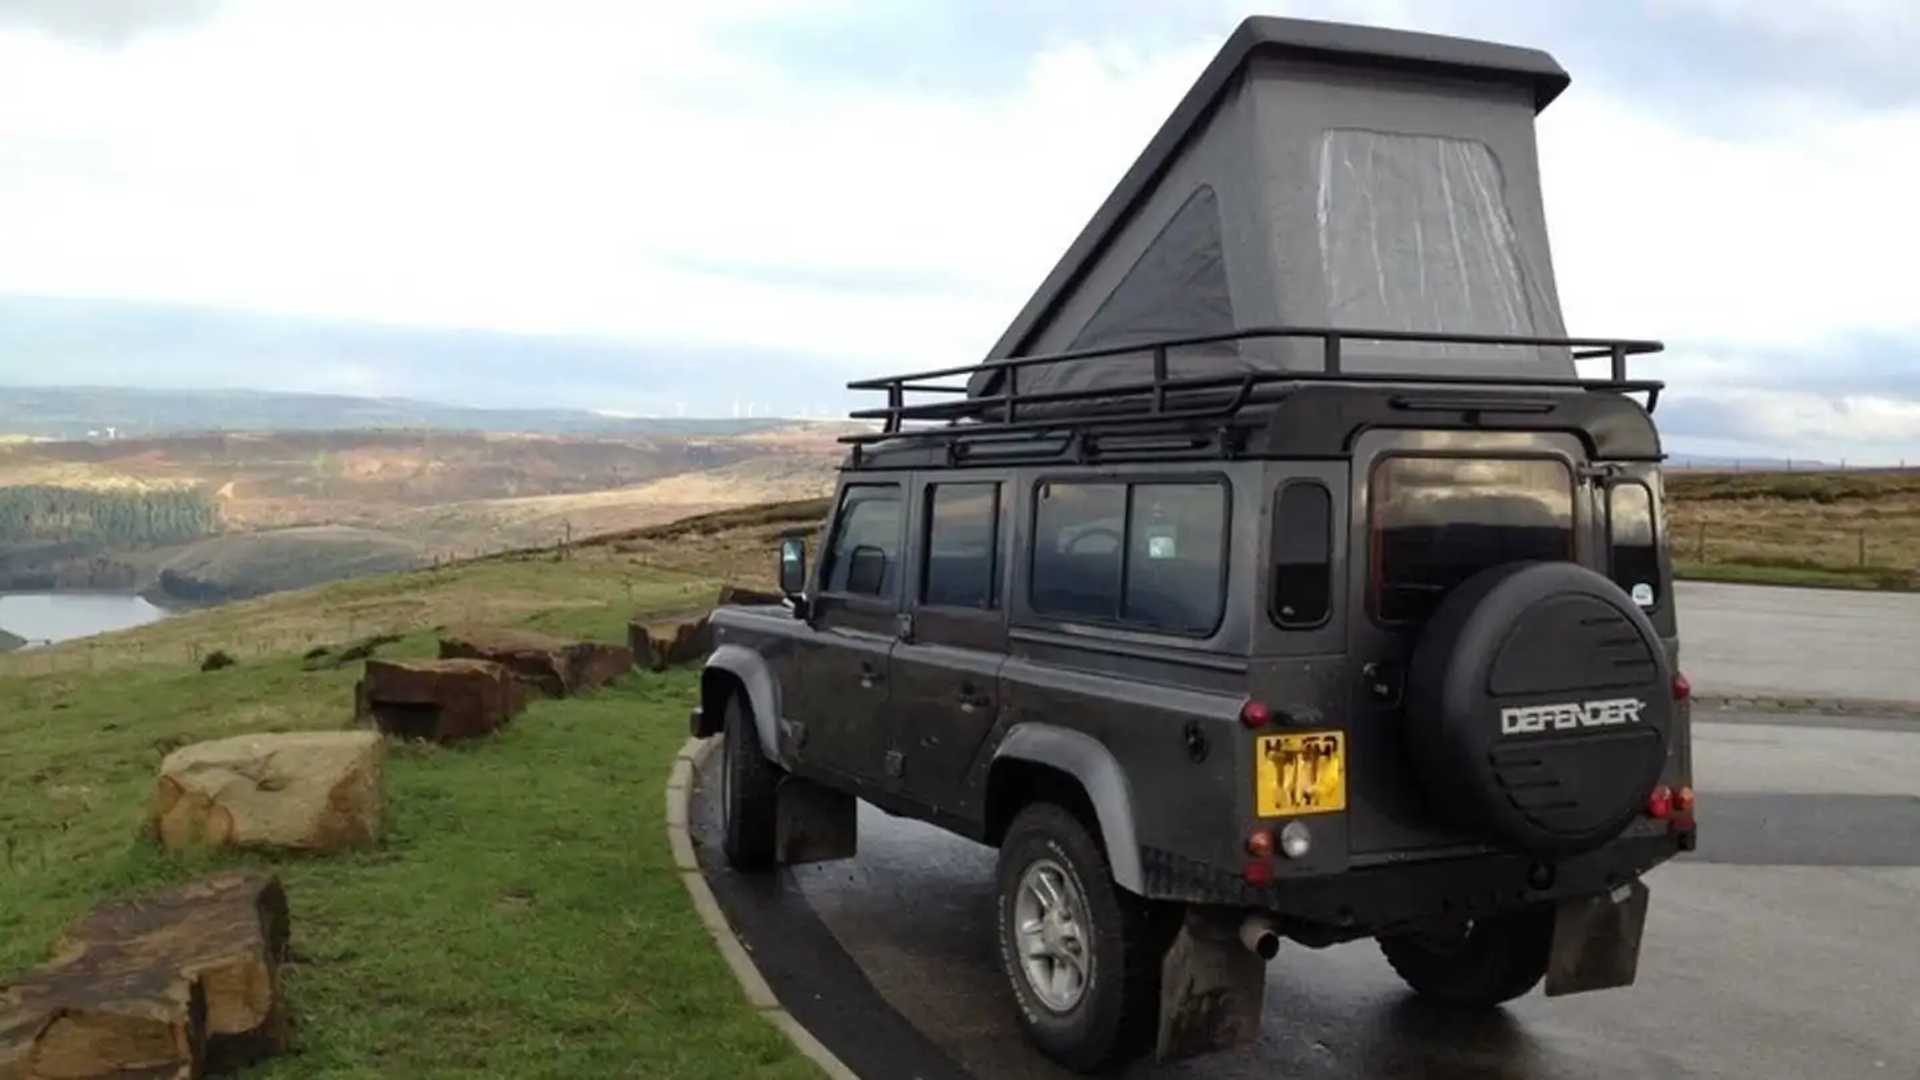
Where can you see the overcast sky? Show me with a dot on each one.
(654, 207)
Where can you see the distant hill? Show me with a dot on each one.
(89, 412)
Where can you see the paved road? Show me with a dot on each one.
(1766, 642)
(1789, 946)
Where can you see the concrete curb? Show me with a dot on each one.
(1825, 706)
(679, 791)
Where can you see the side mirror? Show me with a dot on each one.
(793, 566)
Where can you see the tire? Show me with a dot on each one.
(1114, 1016)
(747, 784)
(1489, 962)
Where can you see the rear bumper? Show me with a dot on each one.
(1367, 901)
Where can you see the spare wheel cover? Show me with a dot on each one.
(1539, 703)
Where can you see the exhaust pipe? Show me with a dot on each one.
(1260, 936)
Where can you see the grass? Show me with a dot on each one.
(1858, 530)
(522, 916)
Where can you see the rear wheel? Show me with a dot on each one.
(1082, 953)
(1476, 965)
(747, 784)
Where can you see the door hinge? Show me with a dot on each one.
(896, 764)
(903, 626)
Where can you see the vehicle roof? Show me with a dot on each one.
(1337, 43)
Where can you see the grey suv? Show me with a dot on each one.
(1278, 577)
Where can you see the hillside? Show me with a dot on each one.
(87, 412)
(1858, 529)
(411, 497)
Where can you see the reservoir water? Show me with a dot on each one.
(56, 617)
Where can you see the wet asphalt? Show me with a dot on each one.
(1787, 946)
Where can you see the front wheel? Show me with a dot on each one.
(747, 785)
(1080, 951)
(1475, 965)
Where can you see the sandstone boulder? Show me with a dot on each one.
(554, 666)
(162, 986)
(740, 594)
(308, 791)
(673, 642)
(442, 700)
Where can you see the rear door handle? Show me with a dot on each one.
(869, 678)
(971, 699)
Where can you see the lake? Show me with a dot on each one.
(41, 617)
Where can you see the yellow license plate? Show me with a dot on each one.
(1302, 773)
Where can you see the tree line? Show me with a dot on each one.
(41, 513)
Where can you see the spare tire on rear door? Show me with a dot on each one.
(1538, 704)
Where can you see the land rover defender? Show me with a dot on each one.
(1280, 575)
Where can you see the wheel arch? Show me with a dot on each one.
(1042, 760)
(735, 669)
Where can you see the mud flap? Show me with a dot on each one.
(1212, 989)
(1596, 940)
(812, 823)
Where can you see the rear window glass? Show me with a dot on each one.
(1635, 558)
(1436, 521)
(1146, 554)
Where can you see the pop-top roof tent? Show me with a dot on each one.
(1318, 175)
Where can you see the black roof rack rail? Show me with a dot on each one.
(1170, 400)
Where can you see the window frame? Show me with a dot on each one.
(1375, 578)
(996, 594)
(1129, 481)
(1660, 585)
(825, 568)
(1279, 495)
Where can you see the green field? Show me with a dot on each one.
(522, 917)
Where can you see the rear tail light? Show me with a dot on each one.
(1258, 872)
(1682, 689)
(1683, 801)
(1660, 802)
(1255, 714)
(1260, 844)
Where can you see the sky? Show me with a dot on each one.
(706, 208)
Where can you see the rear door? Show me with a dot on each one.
(946, 671)
(1431, 509)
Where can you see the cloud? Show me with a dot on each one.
(834, 189)
(110, 23)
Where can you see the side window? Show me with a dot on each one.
(1174, 535)
(1302, 555)
(864, 556)
(1635, 553)
(1149, 554)
(1079, 535)
(961, 566)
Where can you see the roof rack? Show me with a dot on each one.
(1166, 399)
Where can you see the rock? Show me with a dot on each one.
(691, 641)
(640, 643)
(554, 666)
(162, 986)
(740, 594)
(442, 700)
(673, 642)
(307, 791)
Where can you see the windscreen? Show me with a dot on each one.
(1436, 521)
